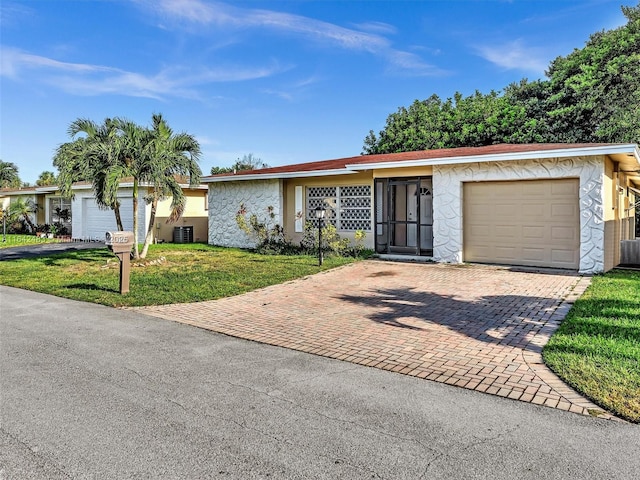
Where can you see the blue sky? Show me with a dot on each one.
(288, 81)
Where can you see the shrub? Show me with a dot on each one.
(270, 237)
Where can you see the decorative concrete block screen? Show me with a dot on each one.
(447, 201)
(225, 200)
(348, 208)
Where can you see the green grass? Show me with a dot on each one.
(173, 273)
(13, 240)
(596, 350)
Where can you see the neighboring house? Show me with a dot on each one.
(89, 222)
(548, 205)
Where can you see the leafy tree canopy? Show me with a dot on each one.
(590, 95)
(46, 178)
(248, 162)
(9, 175)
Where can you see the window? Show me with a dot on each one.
(60, 210)
(348, 208)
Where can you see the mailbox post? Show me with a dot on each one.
(121, 243)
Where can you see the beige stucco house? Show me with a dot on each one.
(548, 205)
(89, 222)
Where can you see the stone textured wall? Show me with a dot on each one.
(225, 199)
(447, 201)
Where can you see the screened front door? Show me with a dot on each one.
(404, 216)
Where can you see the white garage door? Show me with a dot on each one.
(532, 223)
(96, 222)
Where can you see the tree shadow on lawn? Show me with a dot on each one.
(497, 319)
(90, 286)
(89, 256)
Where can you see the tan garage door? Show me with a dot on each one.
(533, 223)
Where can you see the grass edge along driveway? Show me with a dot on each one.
(596, 350)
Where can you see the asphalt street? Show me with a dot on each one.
(29, 251)
(95, 392)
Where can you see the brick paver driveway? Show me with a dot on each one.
(476, 327)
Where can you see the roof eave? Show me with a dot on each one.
(276, 176)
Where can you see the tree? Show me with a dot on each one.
(46, 178)
(118, 149)
(460, 121)
(248, 162)
(22, 210)
(96, 157)
(165, 159)
(591, 95)
(9, 175)
(219, 170)
(595, 91)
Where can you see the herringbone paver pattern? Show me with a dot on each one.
(472, 326)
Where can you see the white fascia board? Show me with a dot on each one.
(200, 186)
(48, 189)
(81, 187)
(504, 157)
(271, 176)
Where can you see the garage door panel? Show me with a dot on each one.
(533, 254)
(480, 231)
(505, 253)
(503, 210)
(563, 233)
(530, 190)
(562, 211)
(481, 209)
(533, 233)
(563, 256)
(96, 221)
(537, 210)
(506, 231)
(563, 187)
(533, 223)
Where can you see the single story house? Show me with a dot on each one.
(548, 205)
(89, 222)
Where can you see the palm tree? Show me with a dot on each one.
(9, 175)
(166, 158)
(46, 178)
(95, 157)
(22, 210)
(119, 149)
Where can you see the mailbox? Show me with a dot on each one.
(119, 242)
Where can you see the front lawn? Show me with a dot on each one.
(596, 350)
(171, 273)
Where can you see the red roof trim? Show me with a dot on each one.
(341, 163)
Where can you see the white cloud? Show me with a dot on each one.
(13, 14)
(14, 61)
(88, 79)
(515, 56)
(377, 27)
(367, 38)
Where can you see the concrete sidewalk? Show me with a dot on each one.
(476, 327)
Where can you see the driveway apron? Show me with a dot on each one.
(473, 326)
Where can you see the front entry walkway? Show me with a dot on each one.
(472, 326)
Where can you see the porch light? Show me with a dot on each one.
(320, 213)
